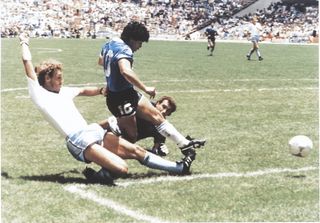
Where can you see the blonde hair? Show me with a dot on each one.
(47, 67)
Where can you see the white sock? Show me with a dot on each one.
(156, 162)
(258, 53)
(169, 131)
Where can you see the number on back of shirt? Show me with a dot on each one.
(107, 63)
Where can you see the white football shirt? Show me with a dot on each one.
(255, 29)
(58, 108)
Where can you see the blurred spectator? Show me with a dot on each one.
(314, 37)
(164, 18)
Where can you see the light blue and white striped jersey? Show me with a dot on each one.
(112, 52)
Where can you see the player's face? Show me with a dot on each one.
(164, 108)
(54, 83)
(135, 45)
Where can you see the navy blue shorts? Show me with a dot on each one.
(123, 103)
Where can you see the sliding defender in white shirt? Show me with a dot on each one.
(86, 142)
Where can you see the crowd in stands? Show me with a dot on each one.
(83, 18)
(297, 22)
(169, 18)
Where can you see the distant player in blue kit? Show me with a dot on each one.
(211, 35)
(123, 101)
(254, 29)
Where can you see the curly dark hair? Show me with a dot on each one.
(171, 101)
(135, 31)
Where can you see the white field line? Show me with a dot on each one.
(111, 204)
(13, 89)
(70, 85)
(228, 80)
(175, 81)
(80, 189)
(235, 90)
(48, 50)
(217, 175)
(205, 90)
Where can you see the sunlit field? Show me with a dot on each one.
(246, 110)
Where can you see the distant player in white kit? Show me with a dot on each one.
(254, 30)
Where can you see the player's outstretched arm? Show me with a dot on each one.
(92, 91)
(131, 76)
(26, 56)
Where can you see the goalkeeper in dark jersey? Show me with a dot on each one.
(166, 105)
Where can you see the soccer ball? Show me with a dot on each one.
(300, 145)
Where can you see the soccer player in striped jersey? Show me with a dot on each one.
(123, 101)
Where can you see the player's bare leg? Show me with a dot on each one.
(127, 150)
(210, 46)
(111, 165)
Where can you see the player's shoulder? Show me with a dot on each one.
(119, 45)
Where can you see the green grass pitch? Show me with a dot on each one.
(247, 111)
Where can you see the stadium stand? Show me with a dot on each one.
(294, 20)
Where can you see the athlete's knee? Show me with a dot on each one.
(157, 118)
(123, 169)
(131, 136)
(130, 132)
(120, 167)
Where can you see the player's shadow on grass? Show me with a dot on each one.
(56, 178)
(149, 174)
(62, 179)
(152, 174)
(297, 176)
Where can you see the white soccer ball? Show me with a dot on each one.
(300, 145)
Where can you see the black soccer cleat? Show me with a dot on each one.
(248, 57)
(102, 176)
(193, 144)
(162, 150)
(189, 138)
(88, 173)
(260, 58)
(187, 161)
